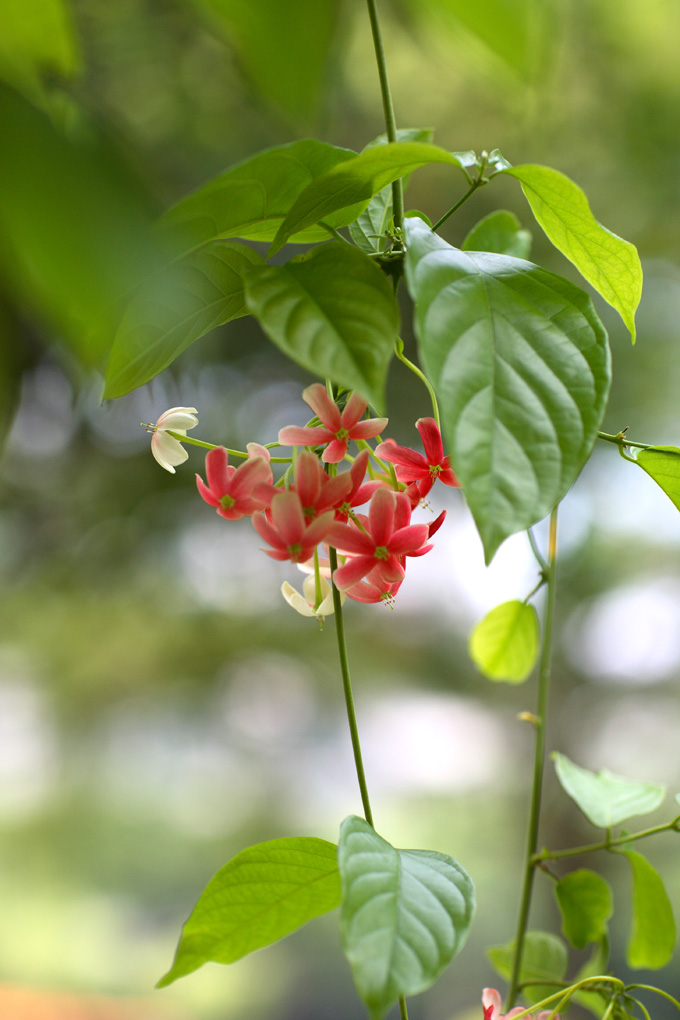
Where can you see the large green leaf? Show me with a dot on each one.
(251, 199)
(283, 51)
(504, 645)
(662, 463)
(188, 299)
(610, 264)
(339, 191)
(652, 937)
(544, 958)
(262, 894)
(499, 232)
(604, 798)
(585, 901)
(333, 312)
(521, 366)
(405, 914)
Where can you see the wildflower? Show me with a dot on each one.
(305, 603)
(287, 530)
(360, 492)
(233, 490)
(415, 468)
(385, 539)
(167, 450)
(491, 1002)
(336, 429)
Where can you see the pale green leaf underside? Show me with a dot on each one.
(504, 645)
(339, 191)
(264, 893)
(652, 937)
(499, 232)
(662, 463)
(251, 199)
(333, 312)
(586, 903)
(610, 264)
(521, 366)
(604, 798)
(202, 290)
(544, 959)
(405, 914)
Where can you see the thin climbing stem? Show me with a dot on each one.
(211, 446)
(607, 844)
(399, 351)
(620, 440)
(388, 109)
(454, 208)
(539, 762)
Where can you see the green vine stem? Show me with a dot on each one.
(606, 844)
(399, 351)
(539, 762)
(620, 440)
(232, 453)
(388, 109)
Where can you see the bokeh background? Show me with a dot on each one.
(160, 706)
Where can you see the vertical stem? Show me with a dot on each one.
(388, 108)
(347, 687)
(539, 761)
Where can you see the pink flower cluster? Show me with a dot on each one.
(311, 505)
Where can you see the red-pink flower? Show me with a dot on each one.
(371, 589)
(336, 429)
(491, 1003)
(360, 492)
(231, 489)
(380, 546)
(287, 531)
(415, 468)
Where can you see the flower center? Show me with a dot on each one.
(294, 550)
(436, 470)
(381, 552)
(227, 501)
(341, 434)
(309, 512)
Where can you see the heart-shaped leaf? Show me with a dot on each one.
(405, 914)
(340, 190)
(604, 798)
(262, 894)
(586, 903)
(499, 232)
(521, 366)
(333, 312)
(544, 958)
(188, 299)
(610, 264)
(504, 645)
(251, 199)
(662, 463)
(652, 937)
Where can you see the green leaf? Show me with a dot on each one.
(544, 958)
(284, 53)
(405, 914)
(610, 264)
(585, 900)
(595, 1002)
(606, 799)
(504, 645)
(188, 299)
(345, 190)
(652, 937)
(333, 312)
(37, 36)
(499, 232)
(251, 199)
(403, 135)
(520, 363)
(262, 894)
(662, 463)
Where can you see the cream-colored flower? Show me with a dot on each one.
(304, 604)
(167, 450)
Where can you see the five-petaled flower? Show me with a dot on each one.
(287, 531)
(415, 468)
(491, 1002)
(233, 491)
(167, 450)
(336, 429)
(306, 604)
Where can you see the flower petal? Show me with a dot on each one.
(217, 471)
(288, 518)
(294, 435)
(178, 418)
(206, 493)
(381, 516)
(309, 477)
(335, 451)
(354, 408)
(369, 428)
(350, 540)
(167, 451)
(407, 540)
(295, 599)
(432, 439)
(316, 397)
(404, 456)
(352, 571)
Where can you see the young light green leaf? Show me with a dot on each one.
(405, 914)
(188, 299)
(652, 937)
(504, 645)
(604, 798)
(544, 958)
(251, 199)
(37, 36)
(521, 366)
(403, 135)
(662, 463)
(333, 312)
(262, 894)
(344, 191)
(610, 264)
(586, 903)
(499, 232)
